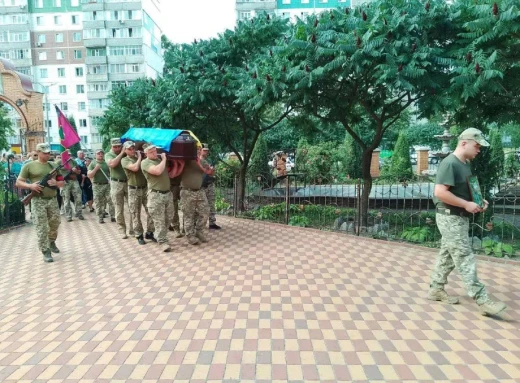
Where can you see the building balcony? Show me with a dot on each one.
(95, 60)
(117, 42)
(127, 5)
(14, 27)
(93, 24)
(16, 45)
(256, 6)
(93, 5)
(123, 24)
(97, 77)
(22, 63)
(96, 112)
(97, 95)
(95, 42)
(125, 76)
(10, 9)
(126, 59)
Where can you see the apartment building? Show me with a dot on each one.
(291, 9)
(77, 51)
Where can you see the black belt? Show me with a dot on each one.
(193, 190)
(446, 211)
(115, 179)
(100, 183)
(159, 191)
(136, 187)
(37, 197)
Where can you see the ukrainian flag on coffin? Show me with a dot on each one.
(162, 138)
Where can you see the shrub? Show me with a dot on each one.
(298, 220)
(225, 172)
(258, 165)
(511, 166)
(400, 165)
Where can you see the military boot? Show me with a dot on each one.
(202, 237)
(54, 248)
(166, 248)
(141, 240)
(491, 308)
(442, 296)
(101, 220)
(47, 257)
(177, 233)
(149, 235)
(81, 218)
(193, 240)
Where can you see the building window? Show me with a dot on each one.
(74, 19)
(80, 89)
(26, 70)
(98, 52)
(96, 69)
(305, 1)
(60, 55)
(63, 89)
(46, 106)
(74, 3)
(57, 20)
(61, 72)
(44, 73)
(77, 54)
(96, 138)
(245, 15)
(76, 36)
(98, 87)
(135, 68)
(84, 139)
(79, 72)
(42, 56)
(59, 37)
(64, 106)
(82, 106)
(48, 123)
(82, 122)
(286, 1)
(38, 3)
(41, 39)
(40, 20)
(57, 3)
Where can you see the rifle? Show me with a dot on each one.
(44, 182)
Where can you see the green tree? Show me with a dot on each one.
(5, 127)
(352, 155)
(511, 166)
(400, 165)
(258, 166)
(76, 147)
(423, 134)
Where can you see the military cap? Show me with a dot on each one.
(100, 151)
(44, 148)
(149, 147)
(205, 147)
(128, 144)
(475, 135)
(115, 141)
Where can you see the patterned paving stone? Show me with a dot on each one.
(259, 303)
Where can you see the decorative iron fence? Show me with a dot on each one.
(12, 210)
(398, 211)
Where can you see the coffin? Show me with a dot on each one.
(176, 143)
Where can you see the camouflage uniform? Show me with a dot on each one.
(137, 198)
(210, 196)
(456, 253)
(195, 211)
(175, 188)
(118, 195)
(46, 217)
(102, 198)
(160, 207)
(72, 187)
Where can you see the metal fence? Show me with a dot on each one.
(12, 211)
(398, 211)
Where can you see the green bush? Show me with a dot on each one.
(258, 165)
(225, 172)
(220, 202)
(400, 165)
(511, 166)
(497, 249)
(417, 234)
(298, 220)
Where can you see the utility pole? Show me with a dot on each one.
(47, 107)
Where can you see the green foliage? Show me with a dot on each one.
(417, 234)
(298, 220)
(352, 157)
(489, 164)
(497, 249)
(511, 165)
(226, 171)
(221, 205)
(5, 127)
(400, 165)
(318, 164)
(259, 167)
(76, 147)
(422, 134)
(512, 130)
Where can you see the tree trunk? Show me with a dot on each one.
(366, 187)
(241, 188)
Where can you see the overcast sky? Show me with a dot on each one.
(186, 20)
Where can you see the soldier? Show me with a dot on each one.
(175, 188)
(118, 185)
(44, 206)
(195, 209)
(454, 207)
(71, 189)
(160, 200)
(98, 173)
(208, 186)
(137, 192)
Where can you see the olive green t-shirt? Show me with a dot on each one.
(99, 178)
(118, 172)
(192, 175)
(453, 173)
(35, 171)
(134, 178)
(160, 182)
(65, 172)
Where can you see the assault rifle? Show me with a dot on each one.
(44, 182)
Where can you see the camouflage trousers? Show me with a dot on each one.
(210, 195)
(195, 212)
(176, 193)
(102, 198)
(118, 194)
(45, 215)
(160, 207)
(137, 199)
(456, 253)
(72, 188)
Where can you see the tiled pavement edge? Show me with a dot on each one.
(260, 302)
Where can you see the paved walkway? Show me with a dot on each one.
(261, 302)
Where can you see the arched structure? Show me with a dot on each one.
(16, 90)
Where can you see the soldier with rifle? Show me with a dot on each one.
(98, 173)
(44, 207)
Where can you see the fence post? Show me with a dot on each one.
(287, 189)
(235, 196)
(358, 198)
